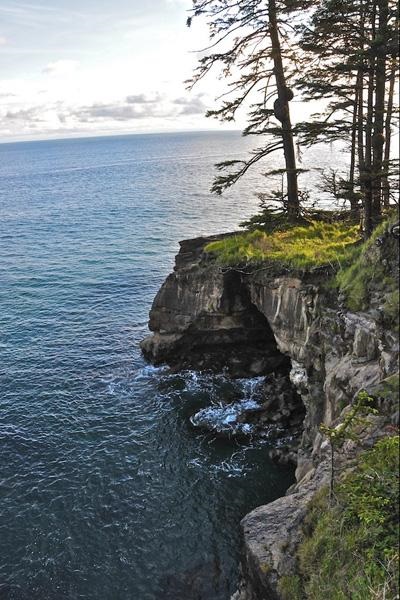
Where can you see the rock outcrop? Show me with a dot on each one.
(203, 318)
(265, 320)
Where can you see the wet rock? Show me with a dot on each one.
(231, 419)
(272, 409)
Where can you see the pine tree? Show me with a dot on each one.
(256, 59)
(349, 45)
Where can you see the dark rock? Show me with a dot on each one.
(203, 318)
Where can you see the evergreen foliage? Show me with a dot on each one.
(252, 44)
(342, 52)
(353, 52)
(351, 549)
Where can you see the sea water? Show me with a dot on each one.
(107, 492)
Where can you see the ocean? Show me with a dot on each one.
(106, 491)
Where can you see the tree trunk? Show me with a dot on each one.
(360, 138)
(368, 157)
(282, 113)
(368, 224)
(378, 137)
(353, 200)
(388, 133)
(360, 111)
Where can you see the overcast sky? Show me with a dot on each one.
(87, 67)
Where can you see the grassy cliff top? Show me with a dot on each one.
(360, 271)
(301, 247)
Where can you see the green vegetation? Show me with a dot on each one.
(366, 271)
(347, 430)
(302, 247)
(388, 389)
(391, 305)
(361, 268)
(290, 586)
(351, 550)
(273, 218)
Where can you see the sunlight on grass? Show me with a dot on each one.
(301, 247)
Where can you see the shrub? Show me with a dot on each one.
(351, 550)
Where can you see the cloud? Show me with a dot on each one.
(29, 115)
(143, 98)
(140, 106)
(191, 106)
(60, 67)
(3, 40)
(114, 112)
(43, 114)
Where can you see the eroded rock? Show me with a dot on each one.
(270, 320)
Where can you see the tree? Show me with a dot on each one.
(346, 430)
(349, 45)
(256, 60)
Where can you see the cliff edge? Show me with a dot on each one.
(267, 319)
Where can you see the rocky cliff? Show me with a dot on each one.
(203, 317)
(263, 320)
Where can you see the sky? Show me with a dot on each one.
(97, 67)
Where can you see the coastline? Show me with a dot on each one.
(250, 322)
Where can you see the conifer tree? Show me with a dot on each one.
(250, 43)
(350, 45)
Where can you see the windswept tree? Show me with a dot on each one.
(251, 45)
(352, 47)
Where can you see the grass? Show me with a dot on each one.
(304, 247)
(367, 271)
(391, 305)
(351, 550)
(360, 267)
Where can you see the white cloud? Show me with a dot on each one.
(143, 98)
(133, 112)
(112, 112)
(27, 115)
(61, 67)
(192, 105)
(3, 40)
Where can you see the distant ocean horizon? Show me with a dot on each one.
(102, 135)
(106, 491)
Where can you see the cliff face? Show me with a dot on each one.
(334, 353)
(204, 318)
(252, 323)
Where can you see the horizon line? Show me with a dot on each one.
(109, 135)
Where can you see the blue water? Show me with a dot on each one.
(106, 491)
